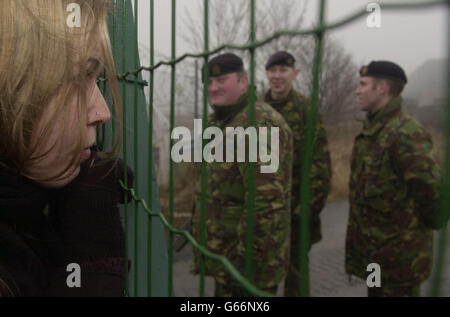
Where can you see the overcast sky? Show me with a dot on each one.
(408, 37)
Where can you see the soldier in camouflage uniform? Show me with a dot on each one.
(281, 73)
(227, 189)
(394, 188)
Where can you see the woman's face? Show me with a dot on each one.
(62, 146)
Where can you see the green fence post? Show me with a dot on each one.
(136, 142)
(251, 165)
(305, 189)
(150, 146)
(125, 156)
(124, 62)
(196, 91)
(172, 124)
(445, 192)
(204, 126)
(113, 30)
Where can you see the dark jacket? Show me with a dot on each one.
(29, 245)
(42, 231)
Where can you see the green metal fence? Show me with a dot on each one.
(151, 273)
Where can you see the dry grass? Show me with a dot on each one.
(186, 176)
(340, 141)
(341, 138)
(438, 150)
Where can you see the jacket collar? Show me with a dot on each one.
(226, 112)
(375, 121)
(279, 103)
(21, 200)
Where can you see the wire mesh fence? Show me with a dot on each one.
(151, 271)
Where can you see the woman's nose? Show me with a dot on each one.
(98, 111)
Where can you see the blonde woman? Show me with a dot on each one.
(58, 196)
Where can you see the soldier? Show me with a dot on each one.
(227, 189)
(394, 186)
(281, 72)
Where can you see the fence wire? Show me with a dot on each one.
(132, 76)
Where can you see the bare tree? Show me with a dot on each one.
(229, 24)
(339, 80)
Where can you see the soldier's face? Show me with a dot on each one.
(368, 94)
(226, 89)
(280, 79)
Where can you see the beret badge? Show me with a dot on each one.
(364, 70)
(215, 70)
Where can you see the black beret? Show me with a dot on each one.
(384, 69)
(224, 64)
(281, 58)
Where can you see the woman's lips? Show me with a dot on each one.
(86, 154)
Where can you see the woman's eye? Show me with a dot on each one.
(94, 69)
(92, 73)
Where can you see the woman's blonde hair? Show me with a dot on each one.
(39, 51)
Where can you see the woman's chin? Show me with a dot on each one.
(61, 181)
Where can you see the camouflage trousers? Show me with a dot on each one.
(292, 282)
(392, 290)
(233, 289)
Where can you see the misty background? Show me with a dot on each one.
(416, 39)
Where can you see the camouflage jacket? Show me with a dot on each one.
(294, 110)
(227, 201)
(394, 193)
